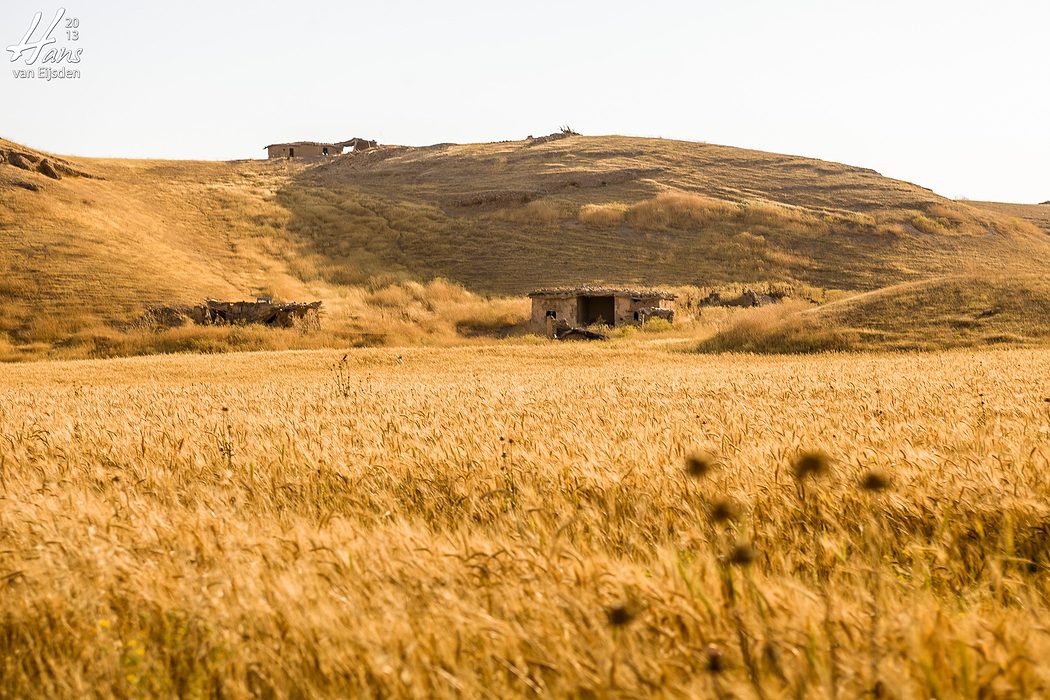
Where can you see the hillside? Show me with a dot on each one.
(87, 246)
(1038, 214)
(948, 312)
(508, 217)
(940, 313)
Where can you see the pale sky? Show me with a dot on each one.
(953, 95)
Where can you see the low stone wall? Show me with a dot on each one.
(748, 299)
(655, 312)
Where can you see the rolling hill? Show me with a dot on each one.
(88, 243)
(940, 313)
(508, 217)
(945, 312)
(1038, 214)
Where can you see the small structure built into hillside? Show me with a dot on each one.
(563, 308)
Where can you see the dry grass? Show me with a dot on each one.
(942, 313)
(1038, 214)
(88, 254)
(540, 212)
(780, 329)
(678, 210)
(608, 214)
(520, 521)
(946, 312)
(656, 211)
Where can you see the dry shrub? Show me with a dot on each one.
(770, 214)
(8, 352)
(750, 239)
(439, 312)
(679, 210)
(950, 215)
(685, 210)
(657, 325)
(399, 295)
(960, 219)
(541, 212)
(611, 214)
(51, 328)
(856, 219)
(928, 225)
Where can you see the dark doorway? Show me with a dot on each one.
(324, 151)
(291, 153)
(594, 310)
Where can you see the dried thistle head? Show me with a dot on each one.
(620, 615)
(811, 463)
(743, 554)
(723, 510)
(770, 654)
(714, 659)
(700, 463)
(875, 481)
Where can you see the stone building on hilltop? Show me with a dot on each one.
(314, 149)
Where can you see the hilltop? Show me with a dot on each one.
(89, 246)
(507, 217)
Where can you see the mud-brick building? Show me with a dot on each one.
(587, 306)
(303, 149)
(314, 149)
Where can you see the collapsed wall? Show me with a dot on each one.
(218, 313)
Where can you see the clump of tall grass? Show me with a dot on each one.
(779, 329)
(603, 215)
(688, 210)
(539, 212)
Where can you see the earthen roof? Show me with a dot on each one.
(300, 143)
(599, 291)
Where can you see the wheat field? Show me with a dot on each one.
(514, 520)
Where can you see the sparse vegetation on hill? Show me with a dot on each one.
(937, 314)
(505, 218)
(86, 255)
(956, 311)
(1038, 214)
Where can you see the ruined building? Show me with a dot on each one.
(575, 307)
(314, 149)
(262, 311)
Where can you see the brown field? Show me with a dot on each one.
(617, 520)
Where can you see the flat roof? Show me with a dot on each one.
(600, 291)
(300, 143)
